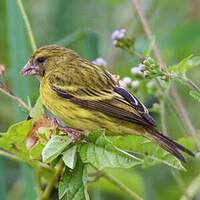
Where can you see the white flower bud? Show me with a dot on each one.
(135, 84)
(141, 66)
(118, 34)
(127, 80)
(122, 83)
(100, 62)
(136, 71)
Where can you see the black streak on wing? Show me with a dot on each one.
(104, 107)
(136, 104)
(170, 145)
(111, 110)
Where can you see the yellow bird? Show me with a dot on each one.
(87, 97)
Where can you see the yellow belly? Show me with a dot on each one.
(77, 117)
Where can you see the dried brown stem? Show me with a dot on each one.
(149, 33)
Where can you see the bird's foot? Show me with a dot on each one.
(73, 133)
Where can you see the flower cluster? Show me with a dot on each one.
(128, 82)
(121, 40)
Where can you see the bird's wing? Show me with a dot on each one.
(84, 81)
(98, 91)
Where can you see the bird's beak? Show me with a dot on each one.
(30, 69)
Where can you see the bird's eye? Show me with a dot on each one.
(41, 59)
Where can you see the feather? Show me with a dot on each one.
(170, 145)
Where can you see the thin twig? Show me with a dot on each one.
(58, 170)
(192, 189)
(163, 118)
(149, 34)
(27, 25)
(184, 115)
(156, 50)
(10, 156)
(119, 184)
(13, 97)
(190, 83)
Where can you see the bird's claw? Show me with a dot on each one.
(74, 134)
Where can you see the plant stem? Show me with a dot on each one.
(192, 189)
(183, 113)
(163, 118)
(8, 93)
(190, 83)
(10, 156)
(119, 184)
(187, 122)
(149, 33)
(47, 192)
(27, 24)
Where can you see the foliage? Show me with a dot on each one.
(138, 166)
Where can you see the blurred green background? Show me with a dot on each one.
(86, 26)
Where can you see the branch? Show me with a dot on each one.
(7, 92)
(192, 189)
(119, 184)
(185, 118)
(58, 170)
(10, 156)
(149, 34)
(27, 25)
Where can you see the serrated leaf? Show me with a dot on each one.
(185, 65)
(195, 95)
(54, 147)
(70, 157)
(15, 138)
(101, 153)
(38, 110)
(153, 154)
(73, 185)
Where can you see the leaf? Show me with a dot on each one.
(152, 153)
(185, 65)
(54, 147)
(70, 157)
(14, 139)
(101, 153)
(73, 186)
(195, 95)
(36, 150)
(38, 110)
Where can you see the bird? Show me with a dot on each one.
(87, 97)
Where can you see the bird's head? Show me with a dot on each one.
(46, 59)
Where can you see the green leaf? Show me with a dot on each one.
(70, 157)
(36, 150)
(195, 95)
(54, 147)
(185, 65)
(38, 110)
(15, 138)
(73, 185)
(152, 153)
(101, 153)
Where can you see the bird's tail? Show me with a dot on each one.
(169, 145)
